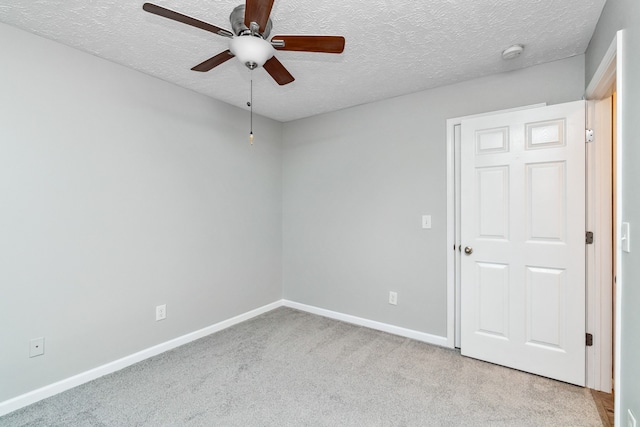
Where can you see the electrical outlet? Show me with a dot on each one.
(161, 312)
(631, 420)
(393, 298)
(36, 347)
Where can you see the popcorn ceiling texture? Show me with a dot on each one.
(393, 47)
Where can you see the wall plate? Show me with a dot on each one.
(36, 347)
(625, 237)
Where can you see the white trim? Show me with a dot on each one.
(453, 318)
(372, 324)
(599, 254)
(451, 234)
(601, 84)
(609, 71)
(620, 141)
(68, 383)
(607, 79)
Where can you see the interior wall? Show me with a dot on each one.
(120, 192)
(625, 15)
(356, 183)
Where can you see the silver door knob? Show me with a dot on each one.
(468, 250)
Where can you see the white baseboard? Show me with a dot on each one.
(384, 327)
(68, 383)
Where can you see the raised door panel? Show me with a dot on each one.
(493, 202)
(493, 300)
(546, 307)
(546, 202)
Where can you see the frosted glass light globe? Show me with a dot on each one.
(251, 51)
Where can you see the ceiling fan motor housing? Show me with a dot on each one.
(249, 45)
(237, 23)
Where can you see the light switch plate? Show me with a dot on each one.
(426, 221)
(625, 237)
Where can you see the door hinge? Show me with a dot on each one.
(589, 238)
(589, 340)
(588, 135)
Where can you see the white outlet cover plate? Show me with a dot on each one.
(36, 347)
(161, 312)
(393, 298)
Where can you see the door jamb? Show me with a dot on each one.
(599, 308)
(599, 268)
(609, 77)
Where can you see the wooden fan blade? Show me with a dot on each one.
(326, 44)
(170, 14)
(278, 72)
(214, 61)
(257, 11)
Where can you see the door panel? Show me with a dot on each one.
(522, 280)
(546, 202)
(493, 202)
(546, 290)
(493, 289)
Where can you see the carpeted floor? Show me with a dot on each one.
(290, 368)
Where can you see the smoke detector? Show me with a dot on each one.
(512, 52)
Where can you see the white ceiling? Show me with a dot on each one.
(393, 47)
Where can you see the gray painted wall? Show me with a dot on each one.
(128, 192)
(119, 192)
(617, 15)
(357, 181)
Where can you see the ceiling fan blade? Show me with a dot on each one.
(257, 11)
(170, 14)
(214, 61)
(278, 72)
(326, 44)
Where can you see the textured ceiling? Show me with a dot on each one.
(393, 47)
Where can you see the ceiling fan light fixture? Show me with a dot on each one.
(252, 51)
(251, 26)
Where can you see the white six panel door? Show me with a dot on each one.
(523, 222)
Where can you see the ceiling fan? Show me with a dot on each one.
(251, 26)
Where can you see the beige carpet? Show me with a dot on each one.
(289, 368)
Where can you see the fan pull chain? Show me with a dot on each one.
(251, 108)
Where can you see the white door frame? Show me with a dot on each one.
(608, 72)
(608, 78)
(599, 255)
